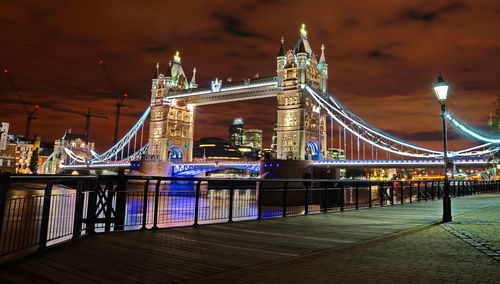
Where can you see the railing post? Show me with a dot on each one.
(391, 192)
(231, 202)
(342, 197)
(419, 194)
(145, 200)
(402, 193)
(283, 214)
(370, 195)
(79, 198)
(259, 201)
(306, 199)
(121, 200)
(157, 202)
(357, 196)
(44, 226)
(197, 203)
(381, 194)
(438, 188)
(411, 192)
(108, 196)
(433, 190)
(4, 187)
(325, 198)
(92, 208)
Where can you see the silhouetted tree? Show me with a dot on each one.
(34, 161)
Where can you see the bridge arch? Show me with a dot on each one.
(313, 151)
(175, 154)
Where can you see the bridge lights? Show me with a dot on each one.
(190, 107)
(173, 102)
(441, 90)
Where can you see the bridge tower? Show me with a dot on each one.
(171, 122)
(301, 126)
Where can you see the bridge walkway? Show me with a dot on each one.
(308, 249)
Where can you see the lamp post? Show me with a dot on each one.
(441, 90)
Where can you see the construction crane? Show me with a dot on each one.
(119, 100)
(88, 115)
(30, 114)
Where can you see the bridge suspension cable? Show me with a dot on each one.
(119, 148)
(379, 139)
(471, 132)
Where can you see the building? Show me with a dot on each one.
(237, 132)
(15, 152)
(335, 154)
(45, 153)
(81, 151)
(253, 138)
(215, 149)
(248, 141)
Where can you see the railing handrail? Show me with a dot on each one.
(143, 178)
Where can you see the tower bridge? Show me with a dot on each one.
(301, 128)
(304, 108)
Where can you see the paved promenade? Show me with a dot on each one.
(394, 244)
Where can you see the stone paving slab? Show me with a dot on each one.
(367, 245)
(431, 255)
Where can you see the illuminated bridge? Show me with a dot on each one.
(309, 121)
(196, 168)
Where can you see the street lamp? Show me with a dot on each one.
(441, 90)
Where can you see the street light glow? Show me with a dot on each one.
(441, 89)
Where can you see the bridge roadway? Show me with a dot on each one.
(430, 163)
(249, 89)
(390, 244)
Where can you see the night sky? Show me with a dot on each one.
(383, 58)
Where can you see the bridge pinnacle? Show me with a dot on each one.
(322, 58)
(177, 57)
(193, 80)
(282, 48)
(157, 72)
(303, 30)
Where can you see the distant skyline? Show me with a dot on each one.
(383, 58)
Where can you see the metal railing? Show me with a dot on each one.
(61, 208)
